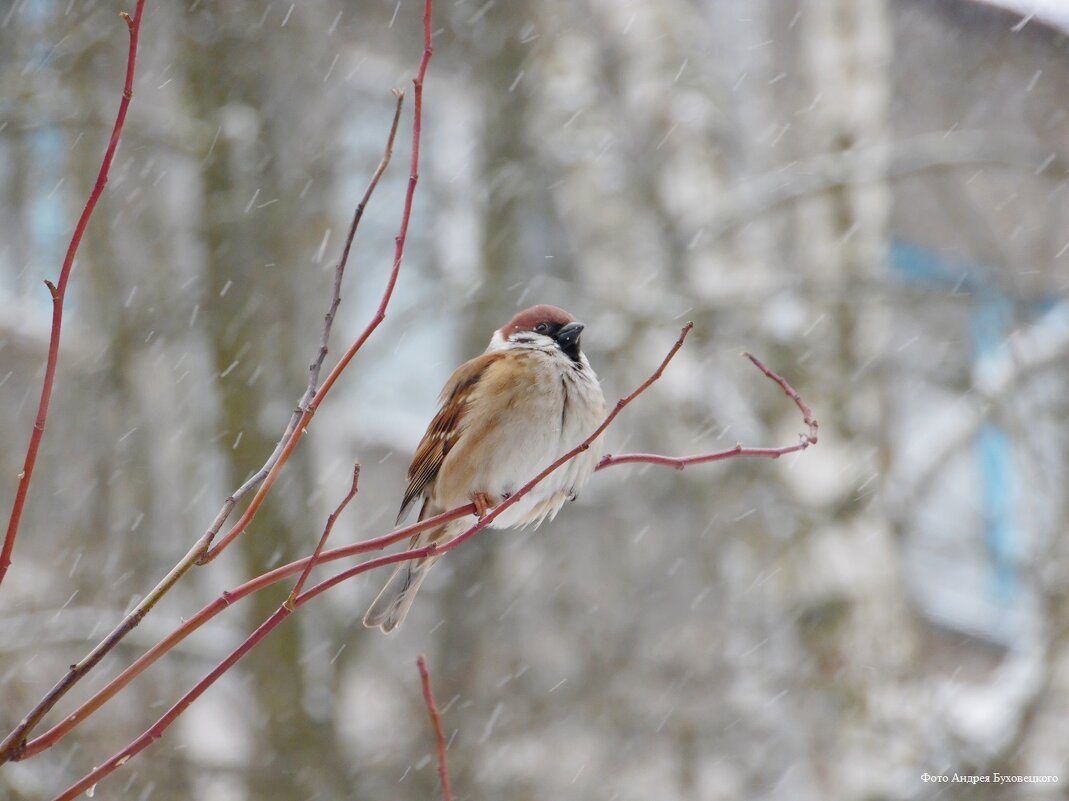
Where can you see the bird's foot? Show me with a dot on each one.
(482, 504)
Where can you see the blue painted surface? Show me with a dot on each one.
(992, 318)
(990, 325)
(915, 263)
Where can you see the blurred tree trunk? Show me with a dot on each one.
(119, 518)
(506, 169)
(252, 317)
(507, 174)
(843, 236)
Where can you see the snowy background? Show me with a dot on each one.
(868, 194)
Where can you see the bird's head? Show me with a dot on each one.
(540, 326)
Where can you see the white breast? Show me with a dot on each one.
(568, 404)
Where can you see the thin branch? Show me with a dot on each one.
(60, 730)
(789, 391)
(13, 746)
(156, 731)
(681, 462)
(380, 314)
(311, 561)
(328, 323)
(191, 624)
(59, 293)
(436, 722)
(435, 548)
(284, 610)
(328, 320)
(93, 777)
(300, 415)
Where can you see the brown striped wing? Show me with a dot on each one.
(445, 429)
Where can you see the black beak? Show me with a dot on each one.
(568, 339)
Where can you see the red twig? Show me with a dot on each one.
(14, 745)
(191, 624)
(324, 340)
(789, 391)
(59, 292)
(436, 722)
(156, 730)
(681, 462)
(358, 215)
(280, 614)
(194, 622)
(380, 314)
(440, 548)
(60, 730)
(153, 734)
(311, 561)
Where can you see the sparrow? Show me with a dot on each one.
(504, 416)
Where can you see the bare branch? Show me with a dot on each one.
(160, 726)
(59, 292)
(229, 597)
(191, 624)
(280, 614)
(311, 561)
(328, 320)
(436, 548)
(14, 745)
(681, 462)
(436, 722)
(380, 314)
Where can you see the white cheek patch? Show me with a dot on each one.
(497, 342)
(521, 339)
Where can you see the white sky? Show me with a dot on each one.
(1054, 12)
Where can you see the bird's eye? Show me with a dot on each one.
(541, 328)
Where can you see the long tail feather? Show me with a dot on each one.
(390, 608)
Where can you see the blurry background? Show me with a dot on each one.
(869, 194)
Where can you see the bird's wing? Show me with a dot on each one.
(446, 428)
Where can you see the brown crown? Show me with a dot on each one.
(529, 318)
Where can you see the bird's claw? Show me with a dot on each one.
(482, 504)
